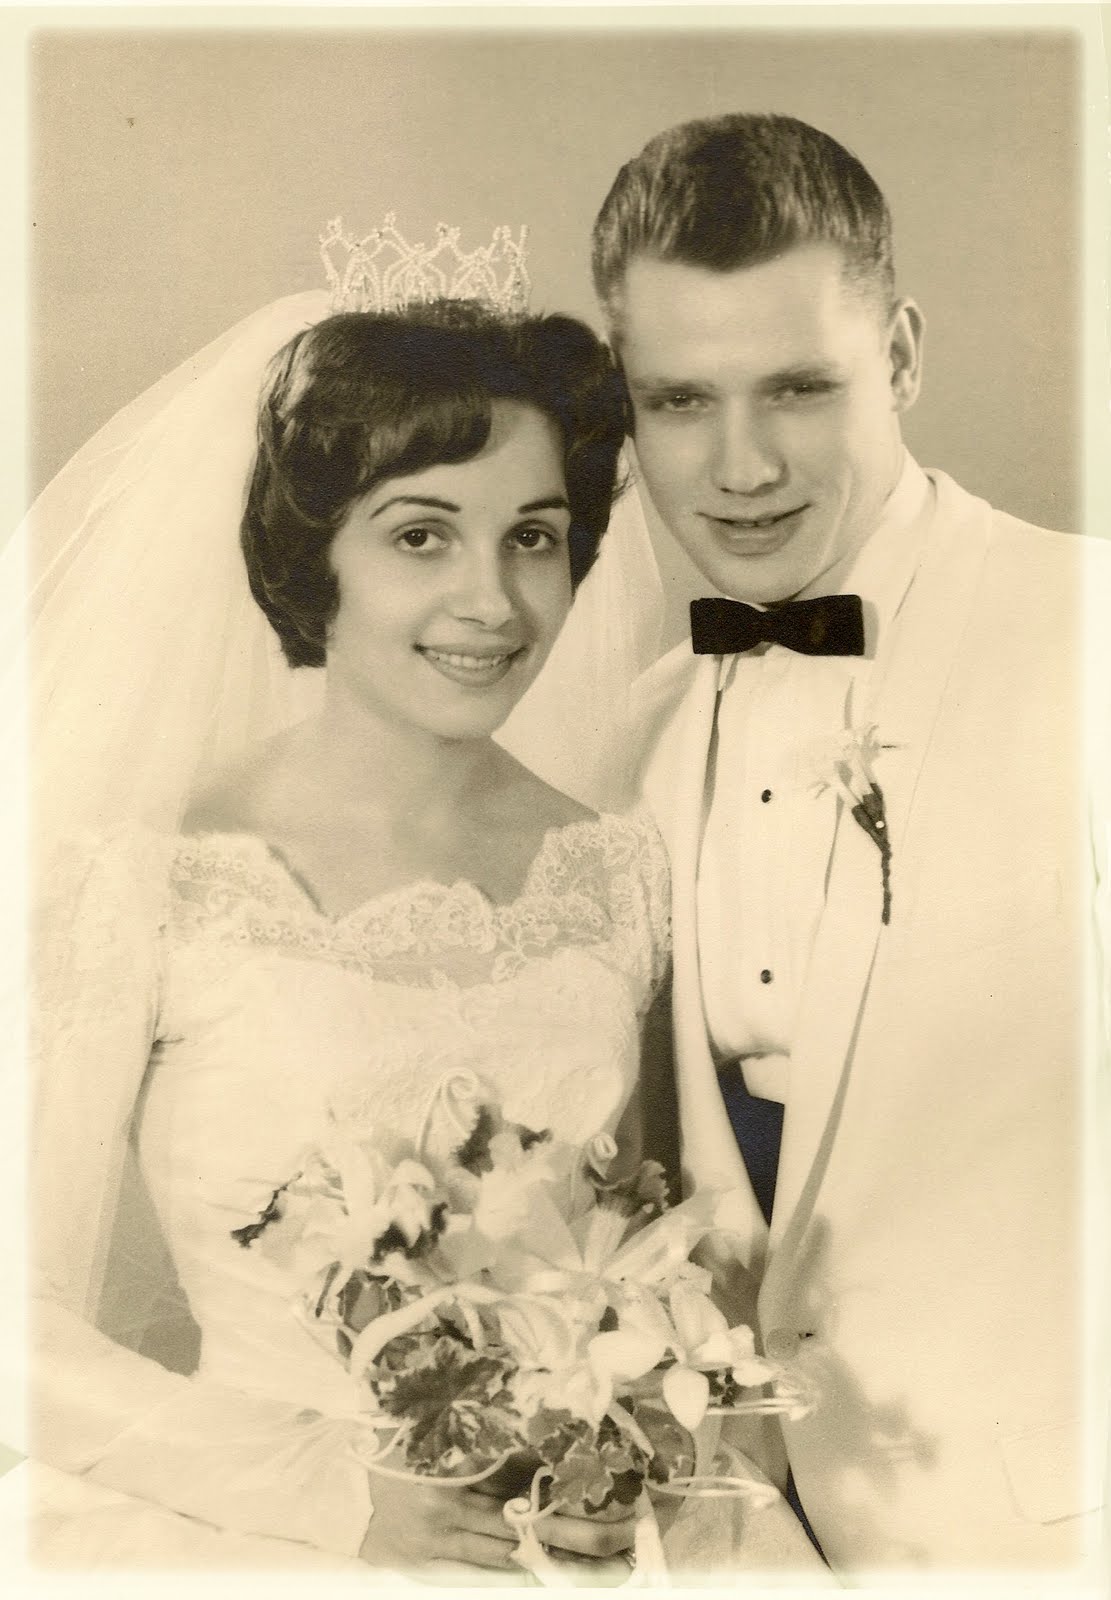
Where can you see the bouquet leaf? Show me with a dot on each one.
(456, 1402)
(672, 1445)
(361, 1299)
(591, 1467)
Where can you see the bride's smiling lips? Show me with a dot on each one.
(474, 667)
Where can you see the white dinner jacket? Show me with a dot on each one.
(923, 1265)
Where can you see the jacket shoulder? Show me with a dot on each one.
(666, 701)
(662, 687)
(1031, 561)
(1044, 568)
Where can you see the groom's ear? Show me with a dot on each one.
(906, 332)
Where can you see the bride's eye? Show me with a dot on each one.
(419, 537)
(534, 536)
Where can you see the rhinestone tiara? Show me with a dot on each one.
(384, 272)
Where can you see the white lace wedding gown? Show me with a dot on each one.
(191, 994)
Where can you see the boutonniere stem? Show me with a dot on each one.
(845, 764)
(868, 812)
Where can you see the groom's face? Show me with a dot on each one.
(766, 403)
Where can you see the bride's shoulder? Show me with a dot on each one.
(565, 822)
(591, 851)
(234, 799)
(615, 845)
(137, 864)
(118, 875)
(539, 804)
(633, 830)
(551, 811)
(615, 862)
(636, 841)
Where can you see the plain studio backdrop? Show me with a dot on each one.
(180, 177)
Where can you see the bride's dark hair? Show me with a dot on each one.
(363, 397)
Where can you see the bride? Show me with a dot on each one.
(375, 900)
(243, 941)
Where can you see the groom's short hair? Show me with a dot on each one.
(737, 190)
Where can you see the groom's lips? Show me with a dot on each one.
(762, 535)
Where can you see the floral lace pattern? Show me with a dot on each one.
(195, 1006)
(597, 883)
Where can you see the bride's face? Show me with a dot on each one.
(454, 582)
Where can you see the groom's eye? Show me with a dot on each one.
(806, 389)
(677, 401)
(803, 385)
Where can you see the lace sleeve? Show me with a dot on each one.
(638, 886)
(94, 996)
(655, 876)
(235, 1460)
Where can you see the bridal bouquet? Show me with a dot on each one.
(503, 1303)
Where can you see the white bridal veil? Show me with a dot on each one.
(148, 660)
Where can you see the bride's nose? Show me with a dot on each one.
(482, 591)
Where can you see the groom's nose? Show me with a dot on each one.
(745, 457)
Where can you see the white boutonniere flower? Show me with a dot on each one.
(844, 763)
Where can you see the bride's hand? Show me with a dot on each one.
(595, 1542)
(595, 1537)
(416, 1525)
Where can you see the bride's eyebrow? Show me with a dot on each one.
(414, 500)
(551, 502)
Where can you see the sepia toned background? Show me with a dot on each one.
(180, 177)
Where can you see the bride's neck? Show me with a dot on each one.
(361, 760)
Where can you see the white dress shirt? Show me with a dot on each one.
(770, 824)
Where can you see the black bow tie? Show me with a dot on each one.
(831, 625)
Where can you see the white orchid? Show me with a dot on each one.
(550, 1339)
(844, 761)
(704, 1342)
(504, 1198)
(588, 1255)
(388, 1208)
(695, 1334)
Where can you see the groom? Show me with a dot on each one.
(869, 778)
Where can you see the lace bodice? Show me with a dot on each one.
(598, 884)
(193, 987)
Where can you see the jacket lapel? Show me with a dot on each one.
(677, 785)
(912, 674)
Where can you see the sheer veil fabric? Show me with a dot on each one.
(147, 662)
(148, 659)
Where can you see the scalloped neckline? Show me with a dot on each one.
(280, 870)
